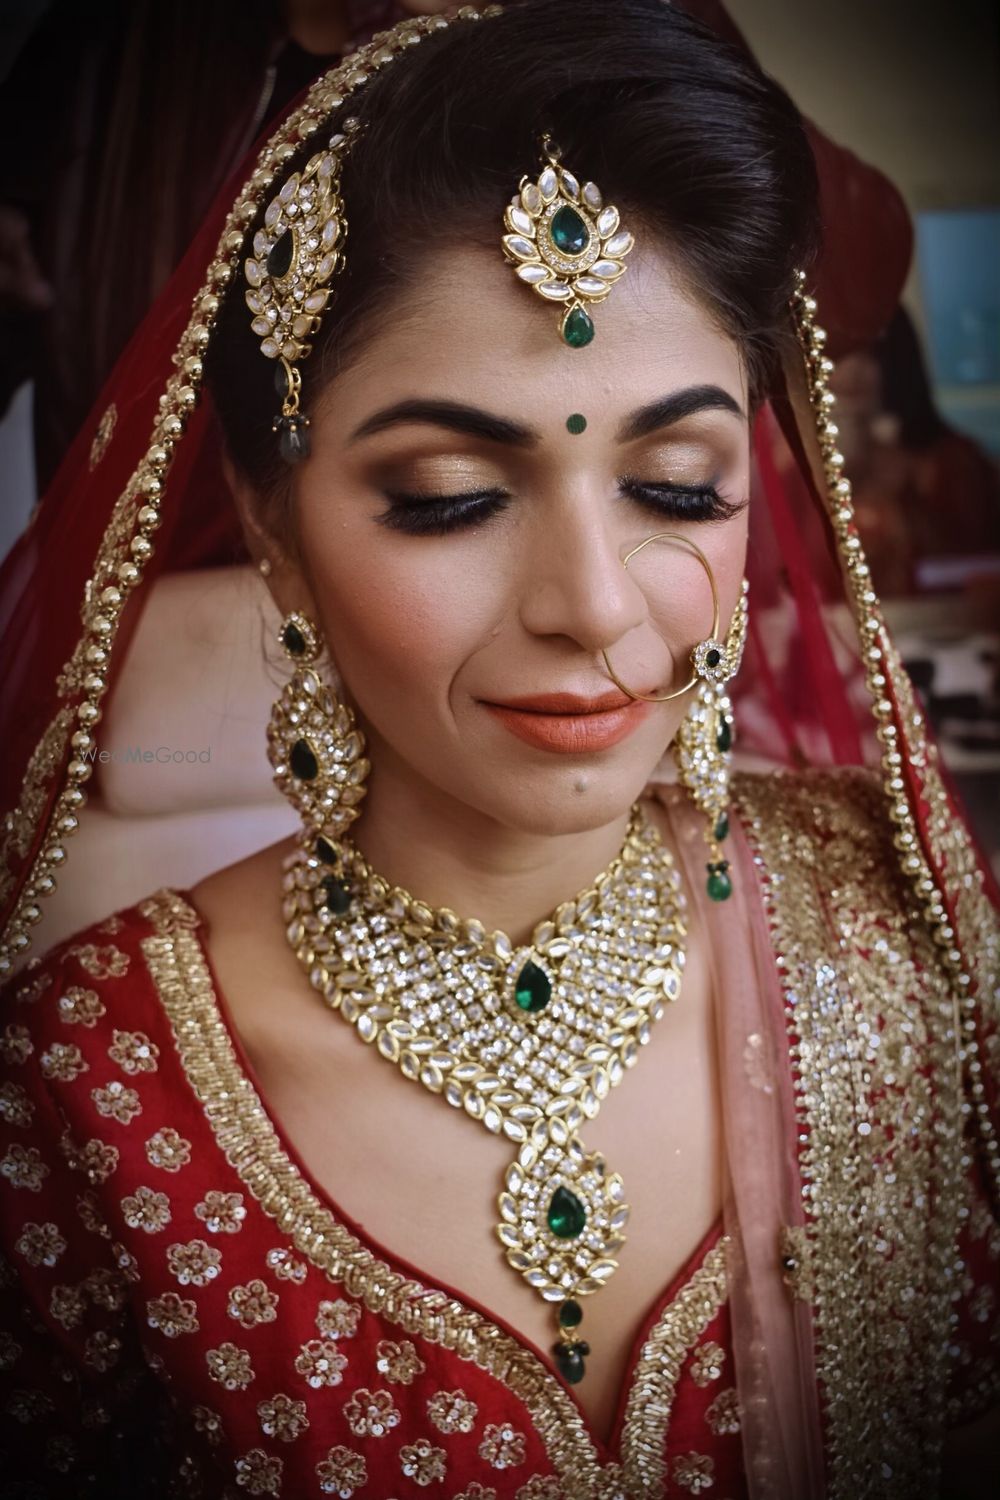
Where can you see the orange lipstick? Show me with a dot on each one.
(568, 724)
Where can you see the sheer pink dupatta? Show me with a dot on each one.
(772, 1329)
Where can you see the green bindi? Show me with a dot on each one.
(576, 423)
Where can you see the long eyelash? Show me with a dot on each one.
(686, 502)
(436, 515)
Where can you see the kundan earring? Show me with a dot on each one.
(703, 745)
(314, 745)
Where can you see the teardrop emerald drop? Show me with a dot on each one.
(303, 761)
(279, 257)
(577, 328)
(567, 1215)
(569, 232)
(533, 988)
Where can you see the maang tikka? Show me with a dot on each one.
(565, 242)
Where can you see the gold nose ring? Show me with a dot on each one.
(706, 654)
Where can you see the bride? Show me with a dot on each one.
(487, 331)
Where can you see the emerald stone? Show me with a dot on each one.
(713, 657)
(569, 233)
(722, 828)
(279, 257)
(533, 989)
(337, 895)
(577, 328)
(570, 1364)
(719, 885)
(293, 640)
(325, 851)
(570, 1314)
(303, 761)
(567, 1215)
(569, 1361)
(724, 738)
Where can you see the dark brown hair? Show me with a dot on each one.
(681, 129)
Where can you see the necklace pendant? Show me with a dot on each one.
(561, 1215)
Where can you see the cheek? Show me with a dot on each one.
(401, 614)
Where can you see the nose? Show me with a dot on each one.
(575, 584)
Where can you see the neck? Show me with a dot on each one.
(447, 854)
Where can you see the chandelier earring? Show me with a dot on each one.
(703, 745)
(314, 745)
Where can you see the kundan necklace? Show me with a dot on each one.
(527, 1040)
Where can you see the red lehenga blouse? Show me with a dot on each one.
(190, 1314)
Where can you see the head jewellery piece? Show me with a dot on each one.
(566, 243)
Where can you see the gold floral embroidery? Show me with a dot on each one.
(338, 1319)
(28, 1406)
(125, 1263)
(538, 1488)
(258, 1473)
(654, 1383)
(23, 1167)
(108, 962)
(341, 1472)
(10, 1350)
(399, 1363)
(282, 1417)
(133, 1052)
(40, 1244)
(321, 1362)
(61, 1453)
(102, 1351)
(194, 1264)
(116, 1102)
(208, 1423)
(80, 1007)
(252, 1304)
(111, 924)
(723, 1416)
(16, 1045)
(371, 1413)
(15, 1106)
(103, 434)
(422, 1462)
(146, 1209)
(452, 1411)
(168, 1150)
(286, 1267)
(67, 1305)
(694, 1472)
(172, 1315)
(96, 1159)
(91, 1217)
(105, 1286)
(501, 1446)
(21, 822)
(34, 986)
(221, 1213)
(63, 1061)
(230, 1367)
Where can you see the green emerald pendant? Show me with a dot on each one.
(533, 989)
(303, 761)
(577, 328)
(724, 737)
(567, 1216)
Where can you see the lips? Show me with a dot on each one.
(569, 723)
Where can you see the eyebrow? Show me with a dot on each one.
(472, 421)
(674, 407)
(453, 415)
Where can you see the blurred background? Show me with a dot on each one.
(106, 106)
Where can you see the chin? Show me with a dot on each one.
(566, 799)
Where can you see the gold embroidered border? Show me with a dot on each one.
(872, 1018)
(647, 1413)
(250, 1143)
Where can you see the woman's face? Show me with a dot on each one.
(465, 543)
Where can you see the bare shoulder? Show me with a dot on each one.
(243, 896)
